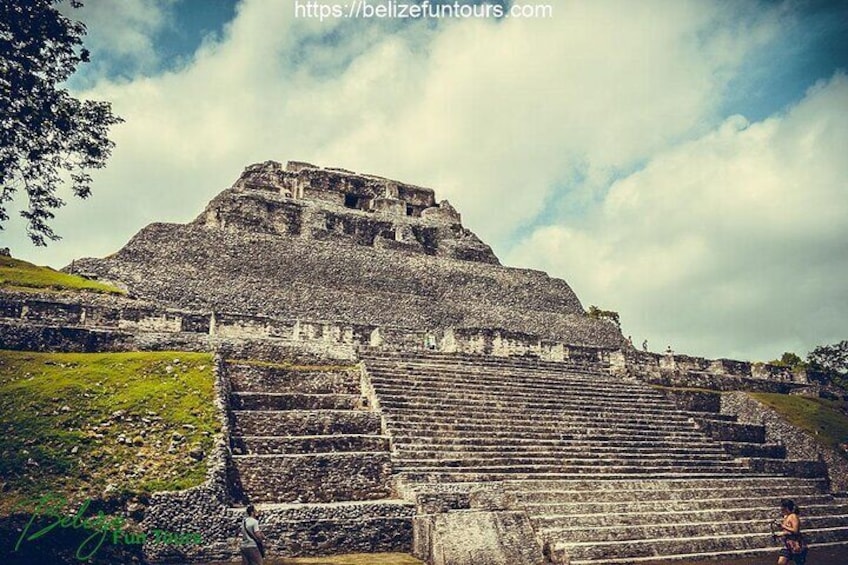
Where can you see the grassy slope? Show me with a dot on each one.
(827, 420)
(21, 275)
(54, 403)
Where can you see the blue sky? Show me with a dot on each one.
(679, 162)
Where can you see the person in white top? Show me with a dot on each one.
(252, 540)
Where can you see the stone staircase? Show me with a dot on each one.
(607, 469)
(308, 451)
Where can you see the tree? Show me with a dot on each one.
(831, 362)
(45, 133)
(598, 314)
(790, 360)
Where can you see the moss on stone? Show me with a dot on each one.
(16, 274)
(83, 425)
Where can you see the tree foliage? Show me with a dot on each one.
(791, 360)
(598, 314)
(831, 362)
(45, 133)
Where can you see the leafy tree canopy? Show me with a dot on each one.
(830, 359)
(791, 360)
(598, 314)
(45, 133)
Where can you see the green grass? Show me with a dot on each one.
(59, 431)
(21, 275)
(827, 420)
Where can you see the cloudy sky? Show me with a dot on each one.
(680, 162)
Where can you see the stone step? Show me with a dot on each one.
(467, 359)
(456, 409)
(602, 488)
(520, 443)
(324, 477)
(546, 429)
(564, 468)
(474, 360)
(304, 422)
(309, 530)
(293, 401)
(403, 453)
(423, 383)
(675, 530)
(433, 477)
(660, 547)
(579, 444)
(499, 371)
(552, 526)
(496, 366)
(499, 415)
(504, 375)
(759, 498)
(765, 554)
(572, 462)
(691, 493)
(264, 378)
(743, 449)
(243, 445)
(514, 394)
(453, 416)
(438, 404)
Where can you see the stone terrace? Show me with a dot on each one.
(608, 469)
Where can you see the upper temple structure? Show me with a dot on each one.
(304, 200)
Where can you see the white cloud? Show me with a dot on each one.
(122, 33)
(496, 116)
(732, 244)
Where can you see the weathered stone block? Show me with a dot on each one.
(306, 423)
(324, 477)
(474, 537)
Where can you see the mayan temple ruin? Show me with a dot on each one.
(442, 404)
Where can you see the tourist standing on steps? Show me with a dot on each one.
(794, 547)
(252, 540)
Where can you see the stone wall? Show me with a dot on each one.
(695, 400)
(684, 371)
(322, 477)
(799, 444)
(96, 323)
